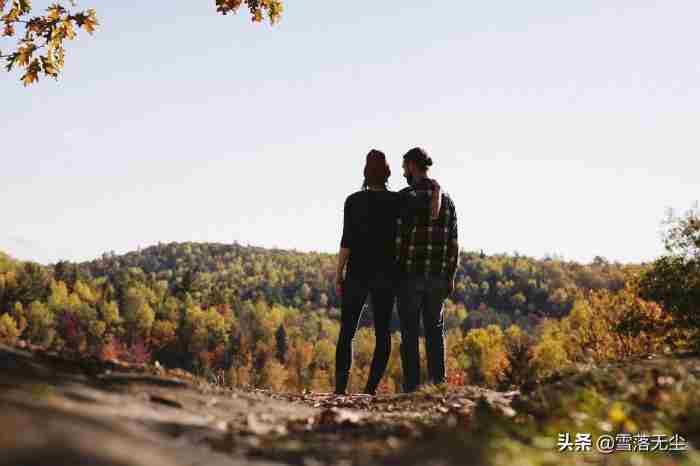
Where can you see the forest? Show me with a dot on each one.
(269, 318)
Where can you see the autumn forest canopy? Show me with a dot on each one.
(270, 318)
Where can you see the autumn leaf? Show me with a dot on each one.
(54, 12)
(25, 6)
(12, 15)
(226, 6)
(32, 74)
(24, 54)
(60, 23)
(67, 29)
(49, 66)
(36, 25)
(87, 21)
(91, 22)
(60, 55)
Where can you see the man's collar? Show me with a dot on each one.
(420, 182)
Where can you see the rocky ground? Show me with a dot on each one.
(54, 411)
(59, 412)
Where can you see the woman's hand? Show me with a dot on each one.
(339, 283)
(450, 286)
(343, 256)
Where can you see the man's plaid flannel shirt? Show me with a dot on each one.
(424, 246)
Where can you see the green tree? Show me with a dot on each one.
(674, 279)
(138, 314)
(549, 355)
(41, 321)
(110, 314)
(205, 328)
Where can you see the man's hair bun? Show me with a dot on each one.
(419, 156)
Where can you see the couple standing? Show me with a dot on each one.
(397, 245)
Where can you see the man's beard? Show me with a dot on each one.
(409, 179)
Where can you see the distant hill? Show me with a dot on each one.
(214, 274)
(221, 272)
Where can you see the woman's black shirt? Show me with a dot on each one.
(369, 231)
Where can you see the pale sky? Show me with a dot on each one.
(557, 127)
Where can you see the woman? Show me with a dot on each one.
(367, 248)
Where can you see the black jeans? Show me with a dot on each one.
(355, 293)
(420, 295)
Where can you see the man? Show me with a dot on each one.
(427, 251)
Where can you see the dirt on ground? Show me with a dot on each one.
(56, 411)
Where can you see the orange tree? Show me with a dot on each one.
(41, 35)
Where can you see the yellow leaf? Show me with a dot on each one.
(54, 12)
(24, 54)
(90, 23)
(49, 66)
(32, 74)
(66, 30)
